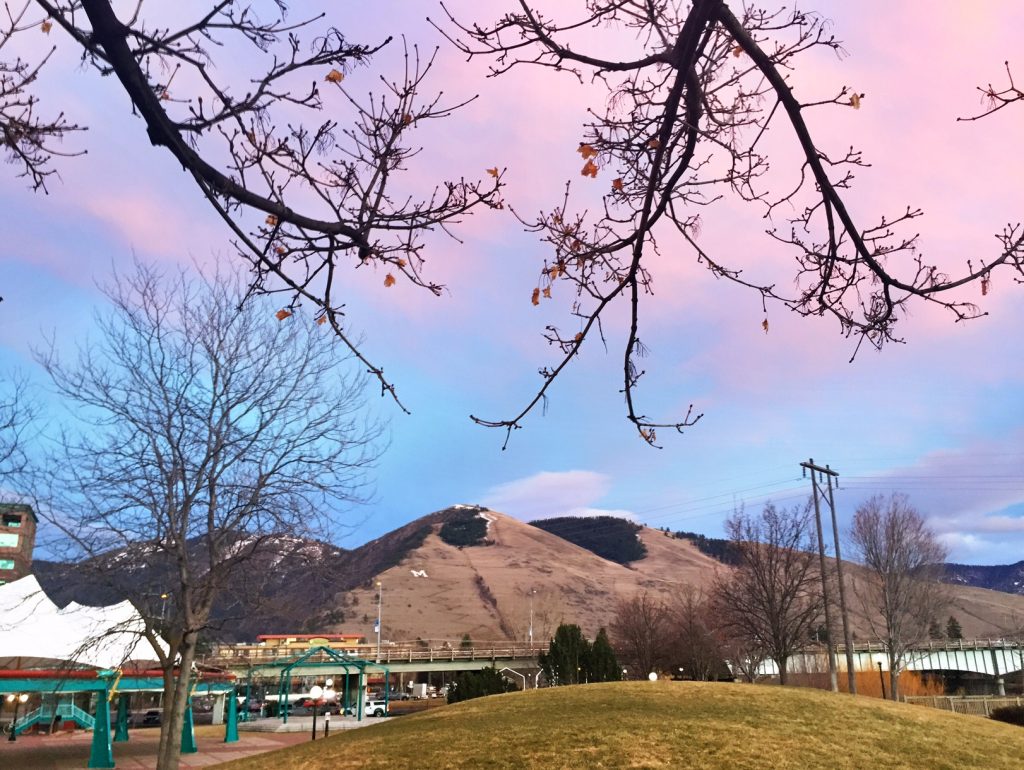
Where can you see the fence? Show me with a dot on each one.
(978, 705)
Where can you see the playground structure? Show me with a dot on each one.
(51, 657)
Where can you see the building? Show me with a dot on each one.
(17, 539)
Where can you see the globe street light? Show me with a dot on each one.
(315, 692)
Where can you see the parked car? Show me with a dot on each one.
(151, 717)
(375, 708)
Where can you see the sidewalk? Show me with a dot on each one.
(70, 751)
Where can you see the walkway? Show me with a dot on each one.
(71, 751)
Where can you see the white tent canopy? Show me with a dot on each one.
(36, 633)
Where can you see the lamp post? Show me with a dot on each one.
(17, 700)
(380, 594)
(329, 695)
(316, 692)
(532, 592)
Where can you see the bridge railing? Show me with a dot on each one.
(940, 645)
(234, 655)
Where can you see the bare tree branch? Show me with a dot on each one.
(304, 202)
(682, 130)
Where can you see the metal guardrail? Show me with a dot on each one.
(978, 705)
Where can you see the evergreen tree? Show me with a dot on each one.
(603, 665)
(953, 630)
(477, 684)
(567, 660)
(935, 631)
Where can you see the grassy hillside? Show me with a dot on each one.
(666, 725)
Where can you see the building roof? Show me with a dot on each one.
(309, 636)
(35, 632)
(19, 508)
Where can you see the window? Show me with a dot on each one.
(6, 563)
(12, 520)
(8, 539)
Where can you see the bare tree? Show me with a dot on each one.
(301, 202)
(203, 437)
(17, 413)
(742, 654)
(695, 645)
(687, 109)
(640, 631)
(905, 562)
(772, 598)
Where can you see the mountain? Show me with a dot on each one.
(463, 570)
(1001, 577)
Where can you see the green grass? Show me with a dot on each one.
(666, 725)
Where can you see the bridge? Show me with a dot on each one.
(993, 658)
(245, 661)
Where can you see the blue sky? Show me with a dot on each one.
(940, 418)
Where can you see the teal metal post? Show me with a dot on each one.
(101, 755)
(231, 723)
(344, 698)
(121, 727)
(188, 731)
(360, 695)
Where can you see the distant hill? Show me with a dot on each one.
(610, 537)
(434, 590)
(1001, 577)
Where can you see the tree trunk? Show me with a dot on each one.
(894, 676)
(165, 703)
(783, 676)
(174, 712)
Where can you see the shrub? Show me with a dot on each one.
(1012, 714)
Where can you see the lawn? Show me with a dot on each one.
(666, 725)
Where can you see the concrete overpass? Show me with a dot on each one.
(396, 659)
(997, 659)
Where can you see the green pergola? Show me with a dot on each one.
(315, 661)
(106, 684)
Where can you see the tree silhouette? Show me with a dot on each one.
(684, 124)
(302, 202)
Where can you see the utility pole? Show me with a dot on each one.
(843, 611)
(832, 675)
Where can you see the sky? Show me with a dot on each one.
(940, 418)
